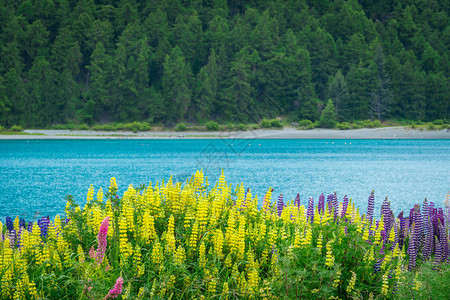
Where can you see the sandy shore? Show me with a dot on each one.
(286, 133)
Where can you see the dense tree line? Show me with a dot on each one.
(168, 61)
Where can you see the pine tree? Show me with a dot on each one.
(328, 116)
(381, 96)
(338, 92)
(176, 85)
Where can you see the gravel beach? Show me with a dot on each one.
(286, 133)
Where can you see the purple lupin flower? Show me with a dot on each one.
(425, 214)
(386, 213)
(344, 206)
(310, 211)
(297, 201)
(335, 205)
(117, 290)
(280, 204)
(412, 251)
(401, 234)
(330, 203)
(12, 238)
(30, 226)
(370, 207)
(43, 224)
(428, 247)
(321, 205)
(9, 224)
(22, 223)
(443, 242)
(430, 208)
(438, 253)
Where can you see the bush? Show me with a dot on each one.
(275, 123)
(16, 128)
(430, 126)
(344, 126)
(241, 127)
(180, 127)
(145, 126)
(438, 122)
(304, 123)
(83, 127)
(312, 125)
(2, 128)
(212, 126)
(376, 123)
(103, 127)
(265, 123)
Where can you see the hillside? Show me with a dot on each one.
(66, 61)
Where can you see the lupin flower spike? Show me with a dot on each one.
(102, 241)
(117, 290)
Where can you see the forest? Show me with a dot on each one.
(170, 61)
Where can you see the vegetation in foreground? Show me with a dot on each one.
(195, 241)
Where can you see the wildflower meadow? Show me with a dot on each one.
(195, 240)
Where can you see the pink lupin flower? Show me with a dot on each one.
(92, 252)
(117, 290)
(103, 232)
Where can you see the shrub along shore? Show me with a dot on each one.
(194, 240)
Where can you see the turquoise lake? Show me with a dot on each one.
(36, 175)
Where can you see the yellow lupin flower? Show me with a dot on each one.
(319, 241)
(351, 283)
(112, 185)
(329, 258)
(157, 253)
(337, 279)
(385, 284)
(201, 253)
(180, 255)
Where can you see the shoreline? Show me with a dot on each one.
(285, 133)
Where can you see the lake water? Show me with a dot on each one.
(36, 175)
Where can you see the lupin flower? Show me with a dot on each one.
(344, 206)
(443, 243)
(43, 224)
(102, 241)
(321, 205)
(9, 224)
(335, 204)
(412, 251)
(280, 204)
(117, 290)
(310, 211)
(370, 206)
(429, 241)
(330, 203)
(22, 223)
(297, 200)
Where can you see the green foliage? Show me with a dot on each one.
(212, 126)
(90, 62)
(180, 127)
(2, 128)
(304, 123)
(265, 123)
(275, 123)
(434, 282)
(344, 126)
(438, 122)
(430, 126)
(328, 116)
(16, 128)
(241, 127)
